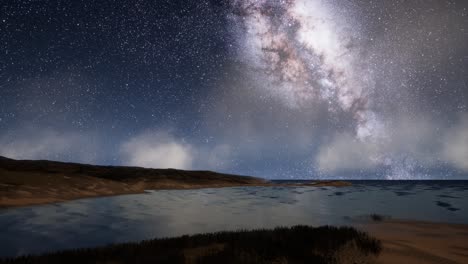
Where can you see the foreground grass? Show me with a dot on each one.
(299, 244)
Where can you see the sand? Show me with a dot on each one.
(420, 242)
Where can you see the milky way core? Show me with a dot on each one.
(307, 53)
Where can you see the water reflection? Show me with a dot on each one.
(92, 222)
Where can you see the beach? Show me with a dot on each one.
(406, 241)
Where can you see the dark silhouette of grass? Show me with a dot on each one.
(299, 244)
(377, 217)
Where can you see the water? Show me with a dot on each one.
(100, 221)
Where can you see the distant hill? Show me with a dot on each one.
(28, 182)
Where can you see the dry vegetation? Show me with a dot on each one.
(299, 244)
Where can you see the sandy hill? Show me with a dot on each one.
(27, 182)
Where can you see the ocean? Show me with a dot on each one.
(167, 213)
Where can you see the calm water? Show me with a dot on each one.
(100, 221)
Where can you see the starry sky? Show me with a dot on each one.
(277, 89)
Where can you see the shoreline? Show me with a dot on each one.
(26, 196)
(36, 182)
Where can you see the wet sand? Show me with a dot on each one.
(420, 242)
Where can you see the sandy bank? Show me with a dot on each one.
(420, 242)
(29, 182)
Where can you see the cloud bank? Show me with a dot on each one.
(157, 150)
(30, 142)
(411, 144)
(455, 148)
(161, 149)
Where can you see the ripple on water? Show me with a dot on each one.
(175, 212)
(442, 204)
(400, 193)
(447, 206)
(448, 196)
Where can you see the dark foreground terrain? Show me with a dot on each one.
(29, 182)
(299, 244)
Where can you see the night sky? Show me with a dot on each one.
(277, 89)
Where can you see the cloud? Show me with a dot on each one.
(30, 142)
(408, 145)
(345, 152)
(157, 150)
(218, 157)
(455, 147)
(161, 149)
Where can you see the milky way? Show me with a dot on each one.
(310, 51)
(277, 89)
(307, 53)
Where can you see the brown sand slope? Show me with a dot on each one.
(26, 182)
(421, 242)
